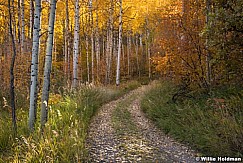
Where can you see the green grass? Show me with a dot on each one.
(64, 136)
(214, 129)
(121, 117)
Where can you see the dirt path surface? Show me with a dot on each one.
(120, 132)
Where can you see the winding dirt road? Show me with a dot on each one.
(120, 132)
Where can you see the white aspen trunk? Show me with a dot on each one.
(66, 41)
(23, 48)
(31, 19)
(97, 51)
(87, 56)
(48, 65)
(128, 54)
(137, 56)
(119, 47)
(110, 41)
(92, 57)
(110, 54)
(148, 49)
(141, 49)
(76, 45)
(107, 54)
(149, 56)
(92, 40)
(34, 65)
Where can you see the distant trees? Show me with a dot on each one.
(198, 53)
(225, 33)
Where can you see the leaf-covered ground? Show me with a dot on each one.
(120, 132)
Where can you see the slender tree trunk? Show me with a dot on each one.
(66, 41)
(128, 53)
(12, 91)
(97, 51)
(119, 47)
(19, 20)
(137, 56)
(107, 54)
(148, 49)
(76, 45)
(92, 40)
(109, 42)
(31, 19)
(23, 45)
(208, 56)
(87, 56)
(48, 65)
(103, 44)
(123, 55)
(14, 22)
(34, 65)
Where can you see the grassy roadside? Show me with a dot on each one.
(65, 132)
(208, 124)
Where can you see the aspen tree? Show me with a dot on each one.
(87, 56)
(137, 55)
(66, 41)
(34, 64)
(92, 39)
(76, 45)
(119, 46)
(97, 43)
(23, 43)
(48, 65)
(109, 42)
(31, 19)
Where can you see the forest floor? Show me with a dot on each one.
(120, 132)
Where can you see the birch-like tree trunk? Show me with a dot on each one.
(128, 53)
(48, 65)
(148, 49)
(31, 19)
(34, 65)
(23, 43)
(76, 45)
(12, 91)
(87, 56)
(137, 55)
(14, 21)
(119, 46)
(97, 50)
(109, 42)
(92, 38)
